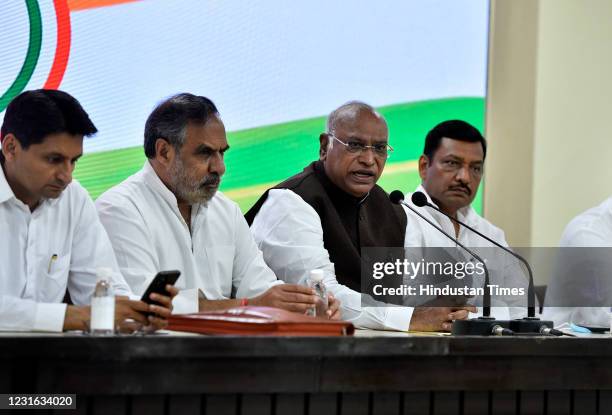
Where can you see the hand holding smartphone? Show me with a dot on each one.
(158, 285)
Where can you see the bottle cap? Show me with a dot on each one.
(317, 275)
(104, 274)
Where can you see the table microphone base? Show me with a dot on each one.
(530, 325)
(481, 326)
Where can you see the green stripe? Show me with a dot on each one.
(31, 56)
(272, 153)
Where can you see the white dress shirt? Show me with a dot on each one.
(421, 234)
(289, 233)
(148, 233)
(592, 228)
(57, 246)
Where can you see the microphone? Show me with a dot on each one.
(396, 197)
(528, 324)
(420, 200)
(485, 325)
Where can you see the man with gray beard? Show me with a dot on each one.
(169, 216)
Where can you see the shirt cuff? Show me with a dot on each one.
(398, 318)
(186, 302)
(50, 317)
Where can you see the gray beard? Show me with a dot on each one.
(189, 190)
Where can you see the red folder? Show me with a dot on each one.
(258, 321)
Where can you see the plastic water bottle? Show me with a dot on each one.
(103, 304)
(315, 281)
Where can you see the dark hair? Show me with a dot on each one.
(170, 118)
(456, 130)
(33, 115)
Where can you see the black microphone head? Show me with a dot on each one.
(396, 196)
(419, 199)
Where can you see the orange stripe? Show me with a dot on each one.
(62, 50)
(75, 5)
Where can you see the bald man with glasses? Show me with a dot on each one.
(323, 216)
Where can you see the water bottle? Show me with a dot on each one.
(103, 304)
(315, 281)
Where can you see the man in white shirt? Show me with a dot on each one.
(52, 239)
(170, 215)
(451, 168)
(579, 290)
(323, 217)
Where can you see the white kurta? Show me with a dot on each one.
(42, 253)
(148, 233)
(592, 228)
(289, 233)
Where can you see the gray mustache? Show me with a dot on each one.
(213, 179)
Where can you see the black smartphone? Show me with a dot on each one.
(158, 285)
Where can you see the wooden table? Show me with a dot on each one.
(366, 374)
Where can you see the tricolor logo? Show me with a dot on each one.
(35, 46)
(37, 58)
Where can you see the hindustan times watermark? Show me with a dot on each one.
(448, 276)
(431, 290)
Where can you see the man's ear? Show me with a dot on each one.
(164, 152)
(323, 145)
(10, 147)
(423, 166)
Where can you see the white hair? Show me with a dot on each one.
(347, 112)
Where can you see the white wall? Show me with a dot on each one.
(549, 111)
(573, 139)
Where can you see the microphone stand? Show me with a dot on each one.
(481, 326)
(529, 324)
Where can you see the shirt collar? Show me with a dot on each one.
(466, 214)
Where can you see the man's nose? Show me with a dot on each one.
(64, 173)
(217, 164)
(367, 156)
(463, 174)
